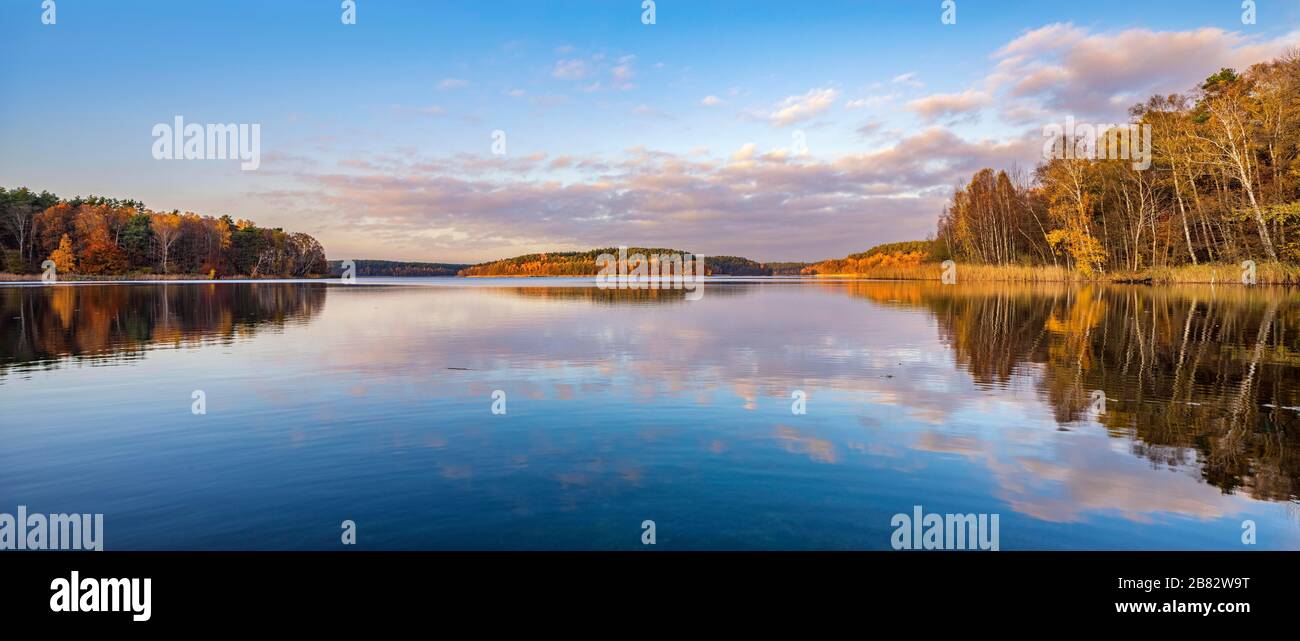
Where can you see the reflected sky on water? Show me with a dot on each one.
(1088, 417)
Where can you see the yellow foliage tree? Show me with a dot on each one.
(1083, 247)
(65, 260)
(166, 231)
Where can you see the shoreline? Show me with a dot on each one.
(1215, 274)
(1208, 274)
(9, 277)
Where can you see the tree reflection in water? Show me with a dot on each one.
(44, 326)
(1197, 376)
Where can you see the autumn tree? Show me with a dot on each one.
(1223, 185)
(1228, 139)
(65, 260)
(101, 255)
(307, 256)
(106, 236)
(166, 231)
(52, 225)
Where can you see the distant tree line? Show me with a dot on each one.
(397, 268)
(106, 236)
(786, 268)
(906, 254)
(1223, 186)
(585, 264)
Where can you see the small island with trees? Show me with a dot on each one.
(585, 264)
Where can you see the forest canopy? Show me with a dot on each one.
(107, 236)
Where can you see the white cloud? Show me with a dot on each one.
(571, 69)
(1069, 69)
(647, 110)
(841, 203)
(870, 101)
(868, 130)
(622, 73)
(908, 79)
(746, 152)
(430, 110)
(799, 108)
(941, 105)
(598, 72)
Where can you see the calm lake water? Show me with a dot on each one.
(1086, 417)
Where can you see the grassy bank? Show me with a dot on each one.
(1229, 274)
(1265, 274)
(965, 273)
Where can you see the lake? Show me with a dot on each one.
(1086, 417)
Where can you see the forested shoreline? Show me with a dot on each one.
(1223, 187)
(107, 237)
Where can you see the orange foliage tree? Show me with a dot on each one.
(101, 255)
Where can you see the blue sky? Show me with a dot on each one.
(691, 132)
